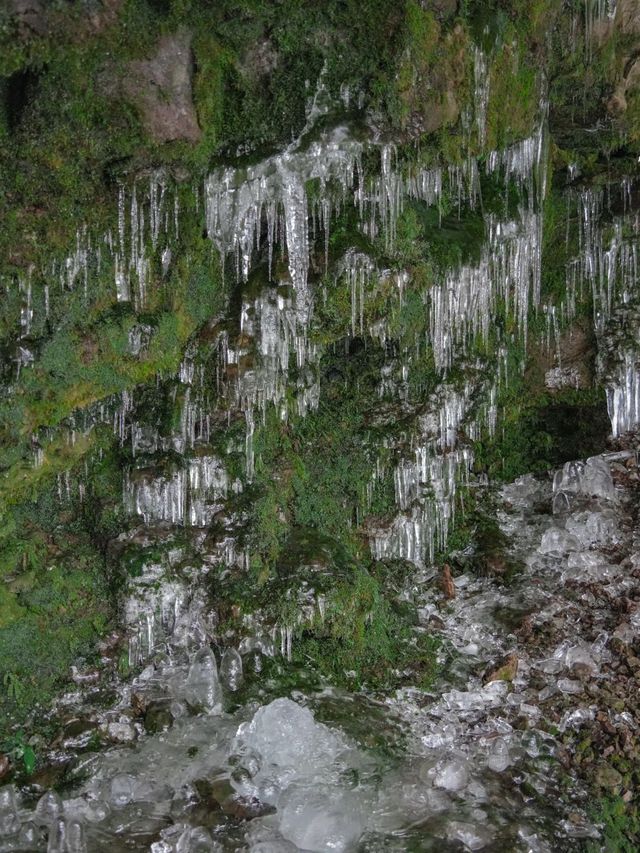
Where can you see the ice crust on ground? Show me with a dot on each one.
(462, 749)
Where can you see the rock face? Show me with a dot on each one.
(29, 16)
(161, 89)
(39, 18)
(627, 18)
(443, 9)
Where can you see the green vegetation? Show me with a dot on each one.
(364, 638)
(621, 826)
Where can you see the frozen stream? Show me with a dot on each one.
(471, 766)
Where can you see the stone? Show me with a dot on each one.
(443, 9)
(158, 718)
(608, 777)
(5, 765)
(627, 18)
(582, 671)
(260, 59)
(506, 670)
(246, 808)
(161, 89)
(446, 581)
(30, 17)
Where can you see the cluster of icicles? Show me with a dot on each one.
(426, 480)
(272, 198)
(598, 14)
(607, 266)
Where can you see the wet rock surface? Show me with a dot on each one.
(161, 89)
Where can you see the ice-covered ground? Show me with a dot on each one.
(474, 764)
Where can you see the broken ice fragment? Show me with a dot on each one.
(231, 669)
(203, 687)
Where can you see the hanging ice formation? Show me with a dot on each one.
(481, 94)
(460, 309)
(427, 480)
(607, 266)
(189, 495)
(597, 14)
(136, 239)
(237, 200)
(271, 204)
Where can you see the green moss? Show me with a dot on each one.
(363, 640)
(432, 74)
(539, 430)
(620, 826)
(513, 97)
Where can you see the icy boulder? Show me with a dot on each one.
(593, 527)
(180, 838)
(499, 757)
(231, 669)
(524, 492)
(452, 775)
(48, 809)
(587, 479)
(291, 761)
(203, 687)
(556, 542)
(282, 744)
(9, 819)
(321, 818)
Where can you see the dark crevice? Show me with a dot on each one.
(18, 92)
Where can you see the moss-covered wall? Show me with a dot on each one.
(95, 97)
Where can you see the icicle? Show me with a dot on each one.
(481, 95)
(237, 200)
(249, 444)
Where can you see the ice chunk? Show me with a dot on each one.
(58, 837)
(203, 687)
(122, 790)
(593, 527)
(321, 818)
(499, 757)
(524, 492)
(231, 669)
(568, 685)
(587, 560)
(285, 733)
(556, 542)
(451, 775)
(30, 837)
(579, 653)
(534, 843)
(574, 719)
(261, 840)
(472, 837)
(551, 665)
(464, 700)
(289, 746)
(9, 820)
(196, 839)
(89, 811)
(597, 479)
(75, 837)
(48, 809)
(121, 731)
(590, 479)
